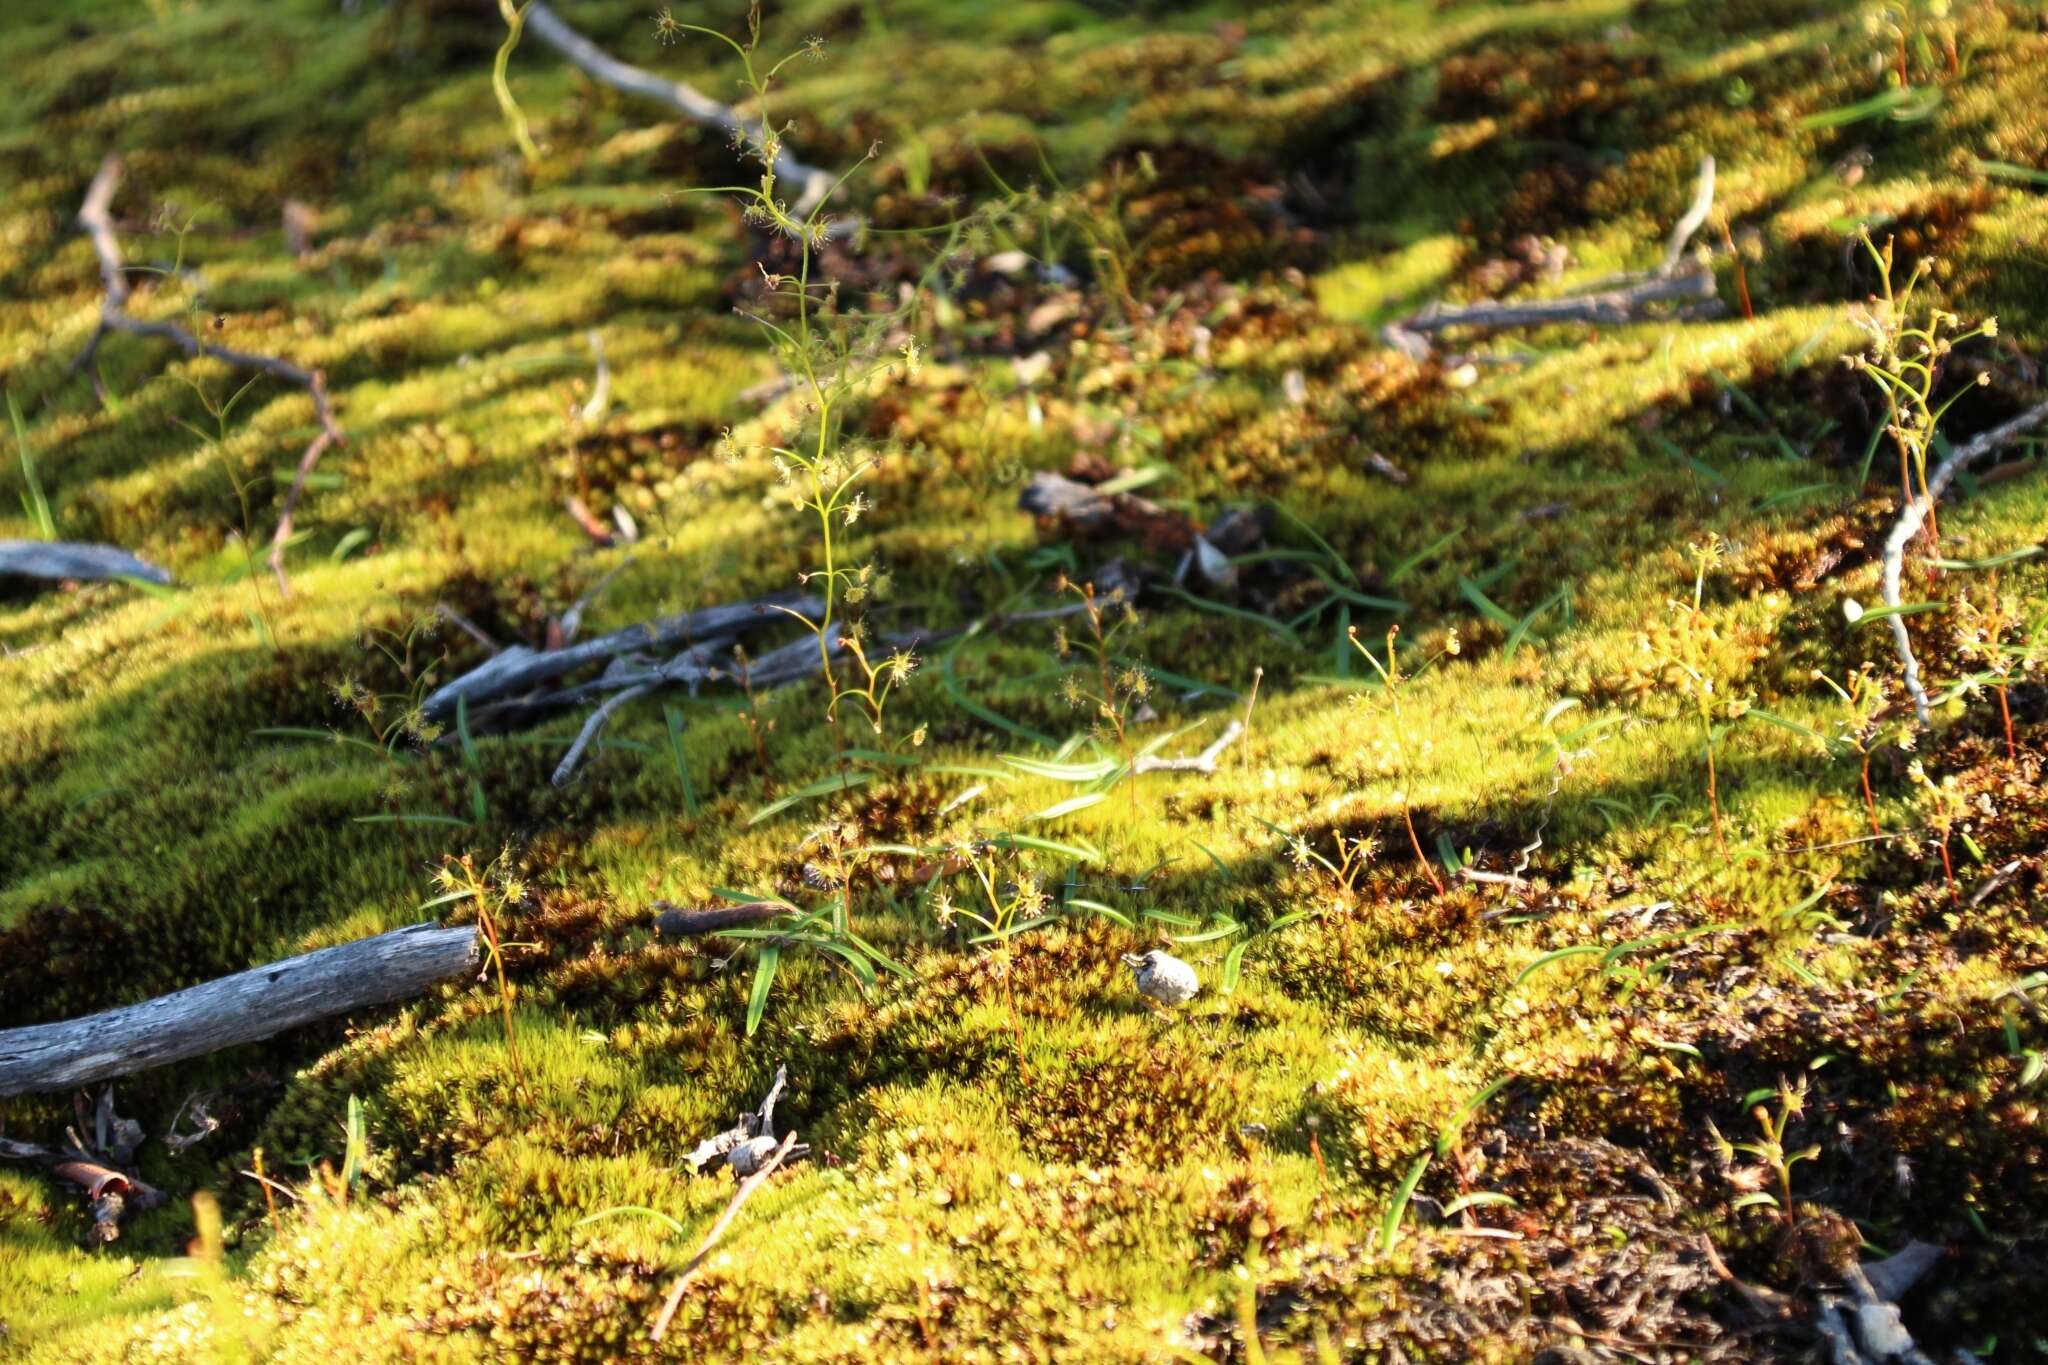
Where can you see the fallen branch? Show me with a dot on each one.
(812, 183)
(1204, 762)
(1609, 307)
(518, 668)
(740, 1196)
(63, 560)
(242, 1008)
(1866, 1326)
(593, 726)
(1915, 515)
(1695, 217)
(1618, 299)
(96, 217)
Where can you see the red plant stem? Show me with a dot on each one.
(1948, 870)
(1416, 844)
(1741, 275)
(1870, 801)
(2005, 714)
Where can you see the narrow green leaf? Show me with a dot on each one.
(1422, 556)
(2006, 170)
(1114, 916)
(1224, 609)
(642, 1210)
(1070, 805)
(764, 977)
(838, 782)
(1063, 772)
(1079, 851)
(1879, 613)
(1490, 609)
(321, 736)
(1397, 1207)
(1448, 1134)
(348, 544)
(949, 682)
(1577, 950)
(1479, 1199)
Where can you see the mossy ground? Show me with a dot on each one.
(1016, 1160)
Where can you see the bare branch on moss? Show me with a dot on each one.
(593, 726)
(61, 561)
(520, 669)
(1695, 217)
(1614, 301)
(1611, 307)
(96, 217)
(242, 1008)
(1204, 762)
(740, 1197)
(1914, 515)
(811, 183)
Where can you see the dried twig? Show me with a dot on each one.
(592, 728)
(1695, 217)
(740, 1196)
(1994, 882)
(62, 561)
(1915, 514)
(96, 217)
(519, 669)
(1608, 307)
(1204, 762)
(812, 184)
(1619, 299)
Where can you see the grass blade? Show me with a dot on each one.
(1397, 1207)
(764, 977)
(838, 782)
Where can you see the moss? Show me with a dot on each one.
(1013, 1155)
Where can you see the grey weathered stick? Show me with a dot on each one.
(1204, 762)
(592, 728)
(1609, 307)
(518, 668)
(1915, 515)
(61, 560)
(243, 1008)
(1695, 216)
(95, 215)
(811, 183)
